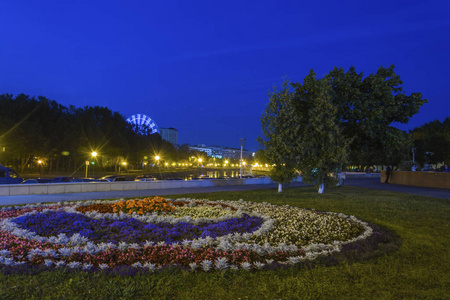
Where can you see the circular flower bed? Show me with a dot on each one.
(154, 232)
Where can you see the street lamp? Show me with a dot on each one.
(157, 158)
(94, 155)
(40, 167)
(242, 142)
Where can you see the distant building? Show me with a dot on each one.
(202, 148)
(221, 152)
(169, 134)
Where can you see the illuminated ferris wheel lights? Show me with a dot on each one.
(143, 124)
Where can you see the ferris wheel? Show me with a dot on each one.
(143, 124)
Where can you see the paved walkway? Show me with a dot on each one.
(415, 190)
(364, 183)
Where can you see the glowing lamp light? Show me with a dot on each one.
(157, 157)
(94, 154)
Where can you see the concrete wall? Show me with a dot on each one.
(424, 179)
(61, 188)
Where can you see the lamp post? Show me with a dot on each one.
(40, 167)
(157, 158)
(242, 142)
(94, 155)
(124, 164)
(87, 166)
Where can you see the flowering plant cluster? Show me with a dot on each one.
(156, 204)
(196, 234)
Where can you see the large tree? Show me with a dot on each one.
(280, 127)
(367, 108)
(322, 150)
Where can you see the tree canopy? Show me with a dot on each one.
(322, 146)
(367, 108)
(341, 118)
(432, 142)
(280, 129)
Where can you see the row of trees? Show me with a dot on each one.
(432, 142)
(323, 124)
(64, 137)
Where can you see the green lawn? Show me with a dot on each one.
(419, 269)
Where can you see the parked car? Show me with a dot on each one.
(9, 176)
(29, 181)
(62, 179)
(37, 180)
(112, 178)
(83, 180)
(145, 178)
(44, 180)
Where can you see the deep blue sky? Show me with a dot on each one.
(205, 67)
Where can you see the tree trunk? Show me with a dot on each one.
(340, 181)
(321, 187)
(280, 187)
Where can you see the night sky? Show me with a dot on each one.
(205, 67)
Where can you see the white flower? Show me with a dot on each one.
(193, 266)
(65, 251)
(221, 263)
(7, 261)
(148, 244)
(246, 265)
(74, 264)
(150, 266)
(60, 263)
(122, 246)
(259, 265)
(48, 262)
(206, 265)
(295, 259)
